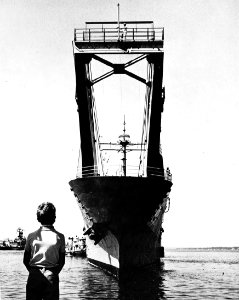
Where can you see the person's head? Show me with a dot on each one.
(46, 213)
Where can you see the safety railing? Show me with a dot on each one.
(89, 171)
(131, 171)
(152, 171)
(115, 34)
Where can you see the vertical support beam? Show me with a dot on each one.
(155, 158)
(84, 102)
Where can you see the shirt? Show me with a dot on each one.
(45, 244)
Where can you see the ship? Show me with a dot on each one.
(123, 209)
(17, 244)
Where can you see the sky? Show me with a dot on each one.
(39, 122)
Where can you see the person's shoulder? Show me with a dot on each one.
(33, 234)
(61, 235)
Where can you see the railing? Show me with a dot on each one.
(131, 171)
(89, 171)
(115, 35)
(160, 172)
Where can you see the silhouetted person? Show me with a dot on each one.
(124, 32)
(44, 256)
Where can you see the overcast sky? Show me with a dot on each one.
(39, 123)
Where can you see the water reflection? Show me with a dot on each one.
(101, 286)
(80, 280)
(143, 285)
(92, 283)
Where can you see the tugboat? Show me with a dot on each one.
(122, 211)
(76, 247)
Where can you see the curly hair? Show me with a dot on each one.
(46, 213)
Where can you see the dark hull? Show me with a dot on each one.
(12, 248)
(76, 253)
(118, 214)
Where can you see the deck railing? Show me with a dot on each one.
(116, 170)
(115, 34)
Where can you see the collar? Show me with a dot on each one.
(47, 227)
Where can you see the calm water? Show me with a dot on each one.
(183, 275)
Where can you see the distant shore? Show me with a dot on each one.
(202, 249)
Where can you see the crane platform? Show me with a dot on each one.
(123, 37)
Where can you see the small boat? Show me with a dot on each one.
(76, 247)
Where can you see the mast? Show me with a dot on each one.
(124, 142)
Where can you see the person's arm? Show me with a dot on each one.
(26, 259)
(61, 262)
(27, 254)
(62, 255)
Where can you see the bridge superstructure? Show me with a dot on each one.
(94, 42)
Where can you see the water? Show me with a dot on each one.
(183, 275)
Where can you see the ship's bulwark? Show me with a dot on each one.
(116, 211)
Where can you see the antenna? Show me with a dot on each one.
(118, 21)
(124, 125)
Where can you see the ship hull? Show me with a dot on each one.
(118, 212)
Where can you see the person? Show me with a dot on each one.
(124, 32)
(44, 256)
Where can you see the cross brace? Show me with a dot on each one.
(119, 69)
